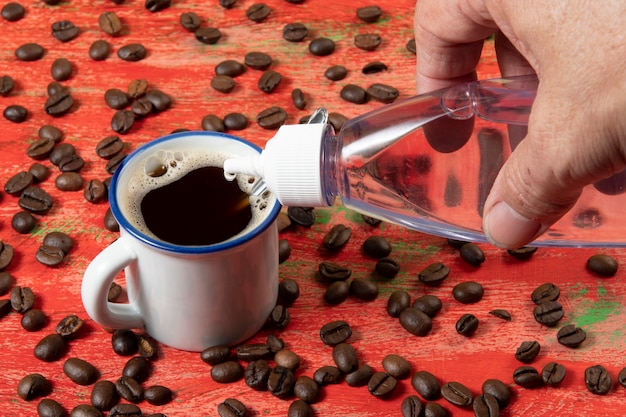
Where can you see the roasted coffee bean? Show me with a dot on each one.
(124, 342)
(69, 326)
(360, 377)
(116, 99)
(6, 255)
(396, 366)
(115, 291)
(457, 394)
(138, 368)
(95, 191)
(208, 35)
(129, 389)
(281, 382)
(367, 41)
(298, 99)
(327, 375)
(99, 50)
(190, 21)
(109, 221)
(55, 88)
(383, 93)
(69, 181)
(142, 107)
(598, 380)
(132, 52)
(40, 149)
(499, 390)
(15, 113)
(468, 292)
(110, 23)
(415, 322)
(337, 292)
(60, 152)
(80, 371)
(232, 407)
(369, 14)
(39, 172)
(429, 304)
(426, 385)
(376, 247)
(374, 67)
(295, 32)
(398, 301)
(115, 162)
(12, 12)
(213, 123)
(527, 351)
(51, 133)
(412, 406)
(230, 67)
(274, 343)
(157, 5)
(6, 85)
(253, 351)
(501, 314)
(271, 118)
(336, 72)
(33, 386)
(51, 348)
(434, 274)
(258, 60)
(50, 408)
(523, 253)
(335, 332)
(125, 410)
(256, 374)
(258, 12)
(364, 289)
(337, 120)
(288, 291)
(545, 292)
(71, 163)
(18, 183)
(381, 384)
(59, 240)
(548, 313)
(321, 46)
(33, 320)
(284, 250)
(59, 103)
(527, 377)
(410, 46)
(29, 52)
(299, 408)
(306, 389)
(269, 81)
(22, 298)
(486, 405)
(148, 347)
(571, 336)
(216, 354)
(345, 358)
(602, 265)
(621, 377)
(467, 325)
(337, 237)
(353, 94)
(279, 317)
(387, 267)
(86, 410)
(553, 373)
(223, 83)
(61, 69)
(157, 395)
(435, 410)
(235, 121)
(122, 121)
(303, 216)
(472, 254)
(6, 282)
(64, 30)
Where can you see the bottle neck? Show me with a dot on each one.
(330, 165)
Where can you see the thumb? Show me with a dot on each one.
(545, 175)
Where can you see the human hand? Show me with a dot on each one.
(577, 130)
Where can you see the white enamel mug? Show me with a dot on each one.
(187, 297)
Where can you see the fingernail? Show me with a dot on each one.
(506, 228)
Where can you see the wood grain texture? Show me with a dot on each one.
(182, 67)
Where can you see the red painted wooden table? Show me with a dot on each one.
(181, 66)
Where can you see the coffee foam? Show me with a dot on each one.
(178, 164)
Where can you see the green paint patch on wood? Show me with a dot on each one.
(591, 312)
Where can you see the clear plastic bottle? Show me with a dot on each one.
(428, 163)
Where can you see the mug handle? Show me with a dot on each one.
(95, 288)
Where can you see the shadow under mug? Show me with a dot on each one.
(187, 297)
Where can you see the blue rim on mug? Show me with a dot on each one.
(169, 247)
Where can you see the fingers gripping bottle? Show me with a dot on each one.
(427, 163)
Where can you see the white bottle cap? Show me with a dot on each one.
(289, 165)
